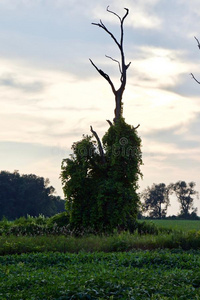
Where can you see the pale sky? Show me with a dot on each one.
(50, 94)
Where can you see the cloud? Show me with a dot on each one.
(11, 81)
(160, 67)
(174, 136)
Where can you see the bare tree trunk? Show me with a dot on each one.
(122, 65)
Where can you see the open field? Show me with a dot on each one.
(184, 225)
(133, 275)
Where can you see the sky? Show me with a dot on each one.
(50, 94)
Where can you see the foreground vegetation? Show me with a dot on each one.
(91, 243)
(41, 258)
(133, 275)
(26, 235)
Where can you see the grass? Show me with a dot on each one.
(138, 275)
(184, 225)
(91, 243)
(35, 235)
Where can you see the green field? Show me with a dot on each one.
(184, 225)
(133, 275)
(120, 266)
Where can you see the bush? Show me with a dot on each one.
(61, 219)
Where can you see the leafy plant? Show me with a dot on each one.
(136, 275)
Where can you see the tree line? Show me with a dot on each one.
(155, 199)
(28, 194)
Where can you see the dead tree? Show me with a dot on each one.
(118, 93)
(198, 44)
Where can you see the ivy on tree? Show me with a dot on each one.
(100, 179)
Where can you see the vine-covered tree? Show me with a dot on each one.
(100, 178)
(156, 200)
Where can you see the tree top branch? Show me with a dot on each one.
(197, 41)
(195, 78)
(121, 19)
(112, 12)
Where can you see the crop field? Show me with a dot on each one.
(40, 263)
(138, 275)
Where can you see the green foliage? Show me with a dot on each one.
(137, 275)
(61, 219)
(156, 200)
(32, 237)
(27, 194)
(185, 193)
(101, 196)
(35, 226)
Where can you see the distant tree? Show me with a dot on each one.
(100, 178)
(156, 200)
(198, 44)
(185, 193)
(27, 194)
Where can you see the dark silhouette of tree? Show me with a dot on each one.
(100, 178)
(198, 44)
(118, 93)
(185, 193)
(156, 200)
(27, 194)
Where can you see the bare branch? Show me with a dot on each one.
(126, 14)
(116, 62)
(122, 30)
(112, 12)
(136, 127)
(99, 145)
(127, 66)
(195, 78)
(109, 122)
(110, 33)
(104, 76)
(197, 41)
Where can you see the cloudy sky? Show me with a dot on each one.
(50, 94)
